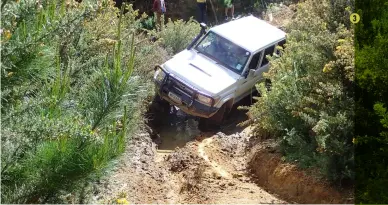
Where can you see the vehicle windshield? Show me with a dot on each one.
(224, 52)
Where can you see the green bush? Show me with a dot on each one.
(148, 23)
(72, 93)
(310, 105)
(177, 35)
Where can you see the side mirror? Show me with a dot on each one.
(251, 73)
(203, 26)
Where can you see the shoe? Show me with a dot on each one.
(233, 18)
(226, 18)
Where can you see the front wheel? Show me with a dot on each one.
(214, 122)
(158, 111)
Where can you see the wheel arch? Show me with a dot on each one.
(228, 101)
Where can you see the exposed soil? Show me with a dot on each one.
(292, 184)
(176, 163)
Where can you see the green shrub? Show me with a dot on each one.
(177, 35)
(78, 99)
(310, 107)
(148, 23)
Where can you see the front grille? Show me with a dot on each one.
(183, 88)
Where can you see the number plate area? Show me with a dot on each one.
(175, 98)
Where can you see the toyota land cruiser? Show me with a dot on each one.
(219, 68)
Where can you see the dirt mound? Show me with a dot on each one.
(182, 159)
(289, 182)
(188, 170)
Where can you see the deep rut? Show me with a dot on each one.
(212, 176)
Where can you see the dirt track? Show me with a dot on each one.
(201, 172)
(176, 163)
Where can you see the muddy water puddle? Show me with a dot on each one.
(181, 129)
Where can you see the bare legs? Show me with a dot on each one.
(232, 9)
(226, 12)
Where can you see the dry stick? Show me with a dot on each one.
(214, 12)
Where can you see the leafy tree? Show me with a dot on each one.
(371, 101)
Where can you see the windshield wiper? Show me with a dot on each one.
(198, 51)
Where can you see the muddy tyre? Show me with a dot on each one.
(158, 111)
(214, 122)
(158, 105)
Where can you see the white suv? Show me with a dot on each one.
(219, 68)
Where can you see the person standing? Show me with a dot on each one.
(159, 7)
(202, 10)
(229, 4)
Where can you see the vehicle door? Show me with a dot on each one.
(259, 64)
(263, 66)
(245, 82)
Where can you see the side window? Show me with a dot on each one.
(281, 44)
(268, 51)
(255, 60)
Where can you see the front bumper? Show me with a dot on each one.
(187, 96)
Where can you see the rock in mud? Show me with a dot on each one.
(237, 175)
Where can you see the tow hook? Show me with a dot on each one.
(191, 103)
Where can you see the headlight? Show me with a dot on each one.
(159, 75)
(204, 99)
